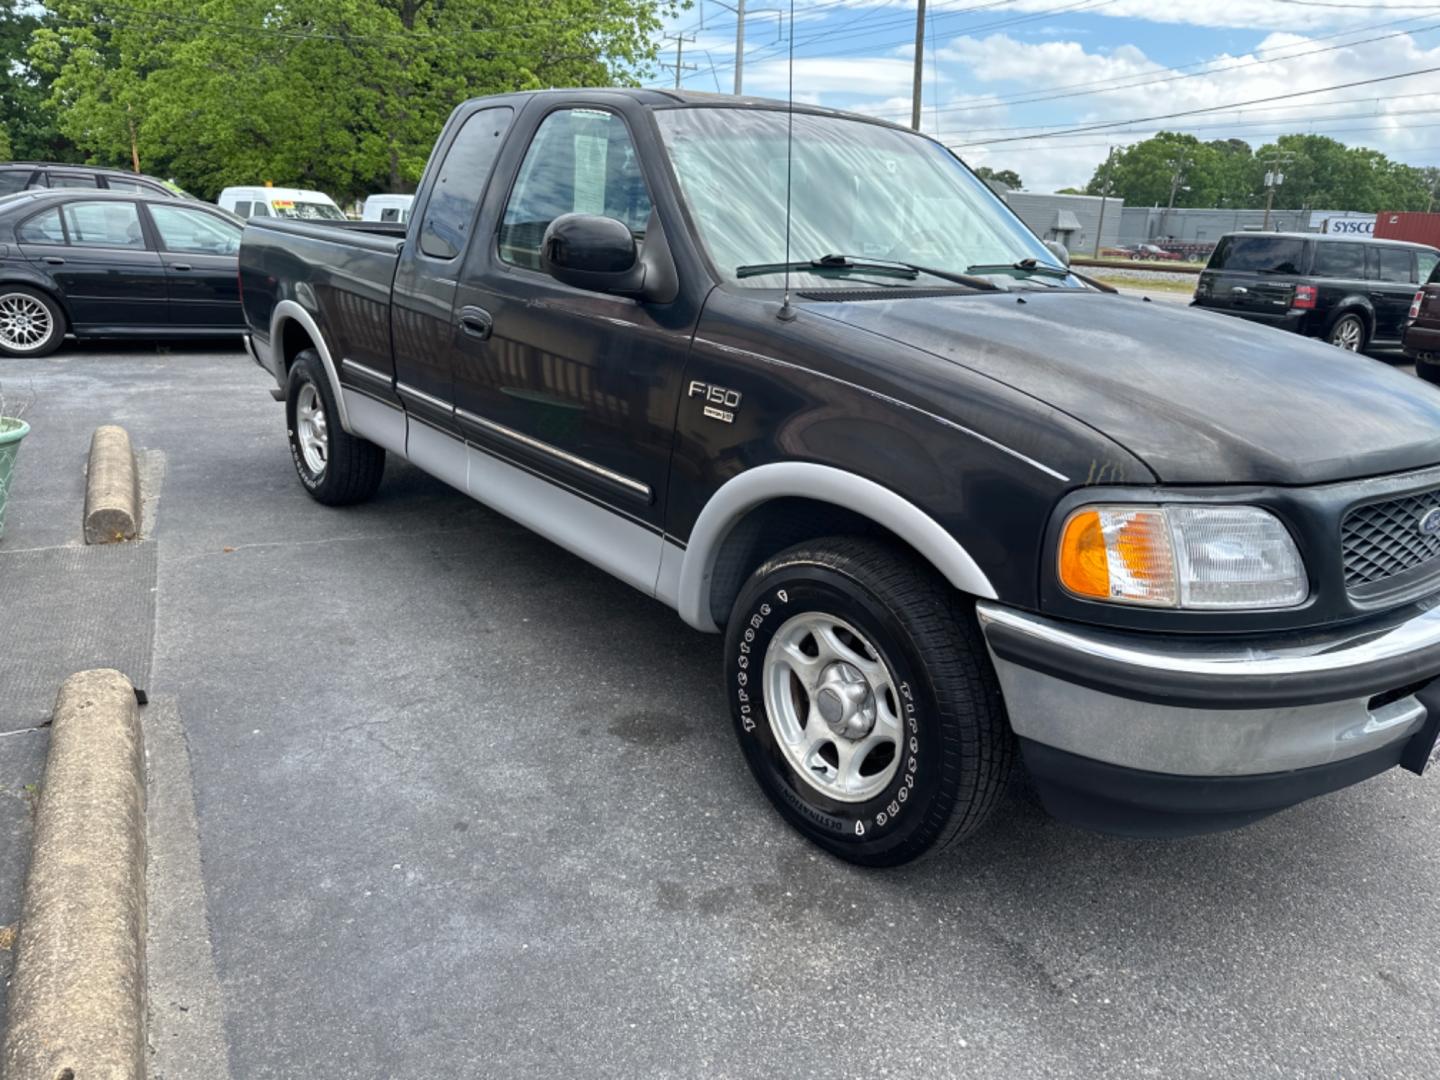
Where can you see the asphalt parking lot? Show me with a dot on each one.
(431, 797)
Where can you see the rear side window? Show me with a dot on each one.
(73, 180)
(13, 181)
(104, 224)
(455, 196)
(43, 228)
(1340, 261)
(242, 209)
(115, 183)
(1394, 264)
(390, 213)
(1259, 254)
(1429, 266)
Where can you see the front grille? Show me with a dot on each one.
(1382, 540)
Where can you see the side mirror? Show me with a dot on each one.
(592, 252)
(1059, 250)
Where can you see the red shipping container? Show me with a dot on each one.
(1416, 227)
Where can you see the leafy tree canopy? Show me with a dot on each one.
(25, 116)
(1008, 177)
(1319, 173)
(345, 96)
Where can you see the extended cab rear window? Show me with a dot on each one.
(1259, 254)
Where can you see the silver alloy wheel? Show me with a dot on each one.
(1347, 334)
(833, 707)
(311, 428)
(25, 323)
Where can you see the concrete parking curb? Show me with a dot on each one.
(112, 488)
(77, 999)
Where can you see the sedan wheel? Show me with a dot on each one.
(1348, 334)
(27, 325)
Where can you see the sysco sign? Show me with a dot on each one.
(1350, 226)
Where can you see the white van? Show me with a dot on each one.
(387, 208)
(248, 202)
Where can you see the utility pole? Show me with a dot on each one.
(679, 65)
(739, 47)
(1273, 179)
(739, 9)
(919, 65)
(1104, 197)
(134, 148)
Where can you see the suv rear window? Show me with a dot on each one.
(1258, 254)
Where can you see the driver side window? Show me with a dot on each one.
(194, 231)
(580, 161)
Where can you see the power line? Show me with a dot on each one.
(1214, 68)
(1206, 109)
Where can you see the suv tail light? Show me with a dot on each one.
(1305, 297)
(1415, 304)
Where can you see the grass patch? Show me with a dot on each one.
(1146, 284)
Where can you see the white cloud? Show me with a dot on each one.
(1385, 111)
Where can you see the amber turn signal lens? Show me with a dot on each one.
(1084, 566)
(1119, 553)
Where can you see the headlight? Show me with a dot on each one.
(1205, 557)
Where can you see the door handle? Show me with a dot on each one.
(54, 260)
(477, 322)
(179, 266)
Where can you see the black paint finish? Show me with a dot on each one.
(137, 291)
(986, 410)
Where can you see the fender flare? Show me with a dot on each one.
(287, 310)
(824, 483)
(1353, 304)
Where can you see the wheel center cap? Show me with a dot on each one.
(845, 701)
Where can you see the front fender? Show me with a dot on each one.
(822, 483)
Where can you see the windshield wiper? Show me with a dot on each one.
(1028, 266)
(829, 264)
(846, 263)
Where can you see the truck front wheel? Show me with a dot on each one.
(337, 468)
(864, 701)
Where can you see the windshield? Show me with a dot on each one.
(858, 189)
(309, 211)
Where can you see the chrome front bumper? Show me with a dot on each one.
(1207, 707)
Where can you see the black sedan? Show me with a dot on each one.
(94, 264)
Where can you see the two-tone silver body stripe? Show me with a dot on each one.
(1016, 454)
(511, 435)
(408, 391)
(366, 373)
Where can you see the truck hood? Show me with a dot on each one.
(1201, 398)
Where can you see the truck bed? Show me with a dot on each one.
(349, 268)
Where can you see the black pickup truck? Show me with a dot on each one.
(949, 504)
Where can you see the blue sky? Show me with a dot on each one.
(1097, 62)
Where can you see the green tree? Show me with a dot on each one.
(342, 95)
(24, 113)
(1165, 167)
(1324, 174)
(1009, 177)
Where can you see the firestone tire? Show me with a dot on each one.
(882, 773)
(336, 468)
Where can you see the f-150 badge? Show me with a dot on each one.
(720, 402)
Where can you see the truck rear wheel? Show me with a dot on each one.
(864, 701)
(337, 468)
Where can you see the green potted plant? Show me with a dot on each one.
(13, 428)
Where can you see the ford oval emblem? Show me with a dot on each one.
(1429, 523)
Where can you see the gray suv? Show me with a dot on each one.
(22, 175)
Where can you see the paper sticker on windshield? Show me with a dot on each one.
(283, 204)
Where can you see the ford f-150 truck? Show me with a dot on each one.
(805, 379)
